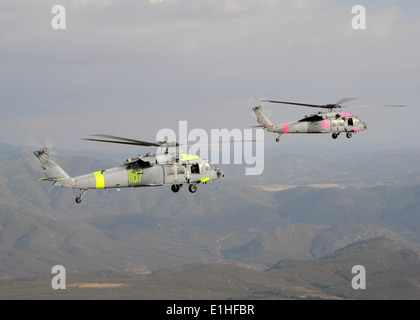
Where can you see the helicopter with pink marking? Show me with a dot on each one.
(333, 121)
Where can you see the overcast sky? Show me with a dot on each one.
(130, 68)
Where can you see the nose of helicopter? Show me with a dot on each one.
(365, 125)
(219, 173)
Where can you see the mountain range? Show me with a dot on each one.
(392, 273)
(260, 224)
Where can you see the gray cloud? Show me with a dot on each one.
(133, 67)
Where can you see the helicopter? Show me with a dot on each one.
(333, 121)
(149, 170)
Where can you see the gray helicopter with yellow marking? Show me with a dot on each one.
(332, 121)
(149, 170)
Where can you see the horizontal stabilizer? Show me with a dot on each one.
(261, 126)
(51, 179)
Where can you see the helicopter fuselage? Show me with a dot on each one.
(333, 121)
(320, 122)
(144, 171)
(134, 176)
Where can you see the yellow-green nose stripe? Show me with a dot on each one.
(100, 181)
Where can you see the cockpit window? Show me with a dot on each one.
(195, 169)
(208, 166)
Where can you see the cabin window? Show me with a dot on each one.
(180, 170)
(350, 121)
(170, 170)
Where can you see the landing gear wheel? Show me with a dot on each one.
(334, 135)
(192, 188)
(277, 139)
(349, 135)
(175, 187)
(79, 198)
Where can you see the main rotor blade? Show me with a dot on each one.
(294, 103)
(377, 105)
(333, 106)
(345, 100)
(127, 141)
(122, 142)
(215, 143)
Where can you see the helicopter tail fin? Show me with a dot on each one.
(261, 118)
(52, 171)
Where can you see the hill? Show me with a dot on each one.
(361, 170)
(392, 272)
(304, 241)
